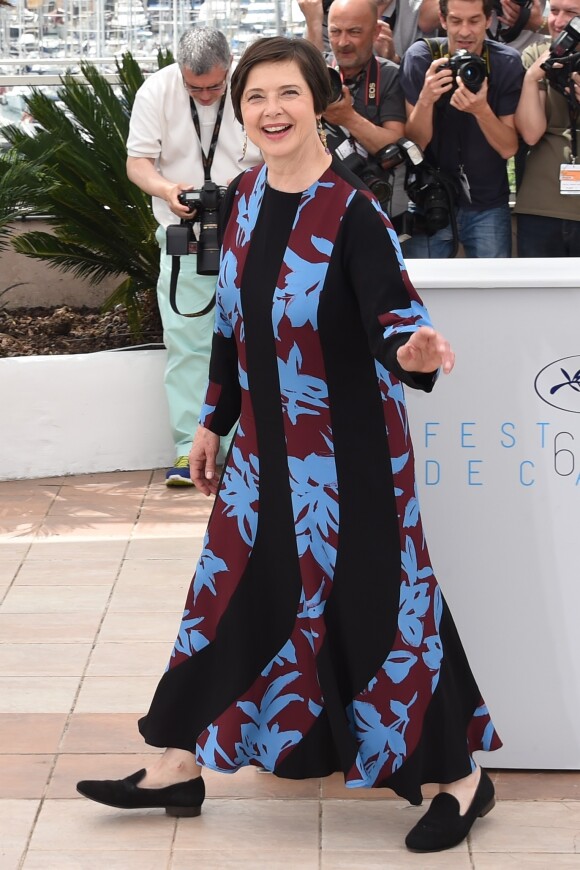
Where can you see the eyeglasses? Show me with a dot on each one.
(212, 89)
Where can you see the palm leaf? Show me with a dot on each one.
(74, 172)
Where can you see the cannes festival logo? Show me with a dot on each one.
(558, 384)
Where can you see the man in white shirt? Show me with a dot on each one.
(183, 132)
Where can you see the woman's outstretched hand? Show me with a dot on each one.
(202, 460)
(426, 351)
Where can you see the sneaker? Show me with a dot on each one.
(179, 474)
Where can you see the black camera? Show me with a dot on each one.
(434, 194)
(564, 59)
(367, 169)
(181, 238)
(471, 69)
(402, 151)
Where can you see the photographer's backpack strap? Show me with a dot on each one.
(438, 48)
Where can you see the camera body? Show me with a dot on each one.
(367, 169)
(434, 195)
(471, 69)
(205, 202)
(564, 57)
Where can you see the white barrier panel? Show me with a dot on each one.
(83, 413)
(497, 448)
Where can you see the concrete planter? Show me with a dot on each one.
(83, 413)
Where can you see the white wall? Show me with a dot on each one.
(83, 413)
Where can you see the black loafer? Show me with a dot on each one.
(442, 826)
(181, 799)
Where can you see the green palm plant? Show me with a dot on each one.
(73, 172)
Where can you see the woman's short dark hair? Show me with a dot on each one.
(280, 49)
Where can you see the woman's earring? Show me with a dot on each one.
(244, 147)
(321, 134)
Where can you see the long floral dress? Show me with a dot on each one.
(315, 637)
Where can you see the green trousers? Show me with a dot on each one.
(188, 342)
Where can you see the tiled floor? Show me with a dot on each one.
(93, 571)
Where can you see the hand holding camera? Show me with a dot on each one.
(564, 60)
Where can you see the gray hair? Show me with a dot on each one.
(202, 48)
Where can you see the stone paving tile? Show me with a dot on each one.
(375, 859)
(252, 859)
(129, 859)
(529, 827)
(283, 826)
(159, 599)
(536, 784)
(368, 825)
(55, 599)
(167, 547)
(141, 626)
(37, 694)
(10, 550)
(10, 858)
(16, 820)
(129, 659)
(54, 627)
(24, 776)
(519, 861)
(38, 659)
(91, 827)
(26, 733)
(68, 572)
(154, 572)
(76, 550)
(8, 569)
(104, 733)
(116, 694)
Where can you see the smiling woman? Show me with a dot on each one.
(315, 637)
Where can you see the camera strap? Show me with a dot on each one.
(207, 159)
(508, 34)
(372, 79)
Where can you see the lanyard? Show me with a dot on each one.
(207, 160)
(574, 112)
(372, 77)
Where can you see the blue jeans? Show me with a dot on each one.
(485, 233)
(547, 237)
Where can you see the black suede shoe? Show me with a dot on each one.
(442, 826)
(181, 799)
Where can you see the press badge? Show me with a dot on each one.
(570, 178)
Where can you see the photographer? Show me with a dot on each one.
(368, 111)
(460, 110)
(400, 22)
(183, 131)
(548, 118)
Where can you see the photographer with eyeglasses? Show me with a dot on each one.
(184, 144)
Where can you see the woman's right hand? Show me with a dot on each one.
(202, 460)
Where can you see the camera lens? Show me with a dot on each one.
(380, 187)
(472, 75)
(335, 85)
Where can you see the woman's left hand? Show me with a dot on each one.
(426, 351)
